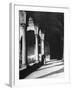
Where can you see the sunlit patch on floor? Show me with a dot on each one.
(51, 69)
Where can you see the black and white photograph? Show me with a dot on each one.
(41, 44)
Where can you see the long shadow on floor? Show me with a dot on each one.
(29, 69)
(52, 73)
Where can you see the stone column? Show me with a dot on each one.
(36, 44)
(42, 47)
(42, 44)
(22, 35)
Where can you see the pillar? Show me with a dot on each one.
(42, 44)
(22, 35)
(36, 44)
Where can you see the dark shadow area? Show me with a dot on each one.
(55, 72)
(29, 70)
(52, 25)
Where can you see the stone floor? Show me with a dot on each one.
(51, 69)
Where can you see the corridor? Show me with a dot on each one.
(41, 44)
(52, 69)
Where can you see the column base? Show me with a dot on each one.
(47, 59)
(36, 61)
